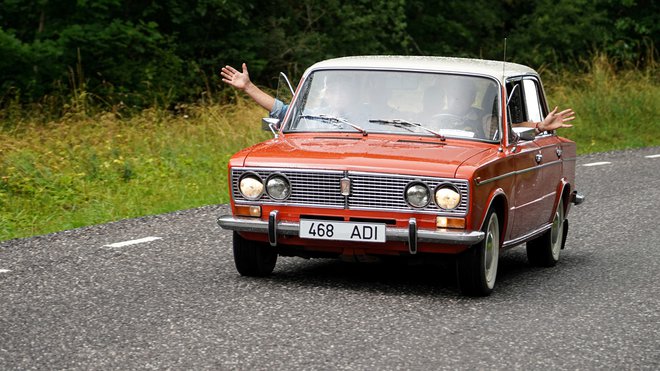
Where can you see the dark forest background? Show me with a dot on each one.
(139, 53)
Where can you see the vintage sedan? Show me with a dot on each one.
(418, 157)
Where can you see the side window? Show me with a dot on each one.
(532, 101)
(515, 102)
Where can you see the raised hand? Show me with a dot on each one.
(235, 78)
(555, 120)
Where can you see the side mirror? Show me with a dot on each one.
(525, 133)
(272, 124)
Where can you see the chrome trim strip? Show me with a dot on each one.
(438, 212)
(443, 236)
(517, 172)
(493, 179)
(315, 206)
(553, 194)
(293, 169)
(528, 236)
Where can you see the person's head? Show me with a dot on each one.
(433, 100)
(460, 94)
(339, 90)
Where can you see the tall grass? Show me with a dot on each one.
(87, 170)
(87, 167)
(615, 110)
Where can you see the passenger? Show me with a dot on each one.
(338, 93)
(241, 81)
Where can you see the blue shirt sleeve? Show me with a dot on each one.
(279, 110)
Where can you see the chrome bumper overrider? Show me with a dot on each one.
(576, 198)
(412, 234)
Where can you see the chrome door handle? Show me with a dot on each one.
(538, 158)
(559, 152)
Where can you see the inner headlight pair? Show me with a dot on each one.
(446, 195)
(252, 187)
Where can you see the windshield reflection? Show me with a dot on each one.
(379, 101)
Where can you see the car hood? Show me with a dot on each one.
(386, 154)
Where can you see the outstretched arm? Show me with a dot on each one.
(241, 81)
(554, 120)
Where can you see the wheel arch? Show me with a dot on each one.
(563, 194)
(500, 203)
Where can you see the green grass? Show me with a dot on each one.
(614, 110)
(84, 171)
(80, 170)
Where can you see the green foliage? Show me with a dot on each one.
(456, 28)
(127, 55)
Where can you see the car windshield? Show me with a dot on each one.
(396, 102)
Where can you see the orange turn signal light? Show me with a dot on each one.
(253, 211)
(445, 222)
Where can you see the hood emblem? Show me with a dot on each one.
(345, 186)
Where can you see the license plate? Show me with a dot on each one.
(342, 231)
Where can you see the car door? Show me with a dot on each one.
(527, 209)
(549, 161)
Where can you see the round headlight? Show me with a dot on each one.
(417, 195)
(278, 187)
(447, 197)
(251, 187)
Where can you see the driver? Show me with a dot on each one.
(450, 105)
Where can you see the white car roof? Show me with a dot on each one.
(494, 69)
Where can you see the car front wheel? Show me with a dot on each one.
(477, 267)
(253, 258)
(543, 251)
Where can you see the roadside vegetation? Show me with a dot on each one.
(615, 109)
(90, 166)
(82, 170)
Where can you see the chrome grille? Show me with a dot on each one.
(369, 191)
(317, 188)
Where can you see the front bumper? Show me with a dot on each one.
(412, 235)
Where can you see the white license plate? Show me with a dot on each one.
(342, 231)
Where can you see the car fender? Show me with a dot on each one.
(562, 186)
(495, 194)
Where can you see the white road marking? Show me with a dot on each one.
(133, 242)
(4, 271)
(652, 156)
(597, 163)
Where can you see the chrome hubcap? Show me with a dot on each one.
(557, 233)
(491, 250)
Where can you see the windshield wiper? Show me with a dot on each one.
(333, 119)
(407, 124)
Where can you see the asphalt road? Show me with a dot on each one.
(69, 301)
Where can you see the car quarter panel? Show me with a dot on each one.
(491, 175)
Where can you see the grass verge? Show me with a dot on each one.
(83, 171)
(614, 110)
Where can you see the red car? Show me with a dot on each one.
(407, 157)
